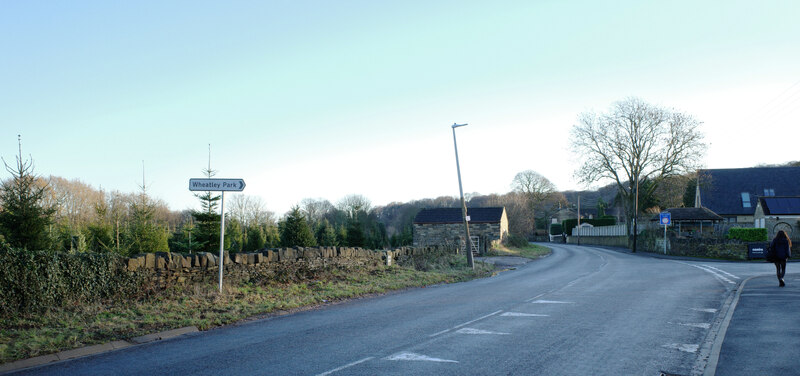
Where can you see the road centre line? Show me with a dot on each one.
(479, 331)
(466, 323)
(408, 356)
(357, 362)
(521, 314)
(536, 297)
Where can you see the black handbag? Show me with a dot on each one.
(770, 255)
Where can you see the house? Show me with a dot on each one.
(779, 213)
(442, 226)
(691, 221)
(734, 193)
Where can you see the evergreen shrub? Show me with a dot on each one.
(35, 281)
(517, 241)
(748, 234)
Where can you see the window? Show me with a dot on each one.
(769, 192)
(746, 200)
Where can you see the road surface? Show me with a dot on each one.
(580, 311)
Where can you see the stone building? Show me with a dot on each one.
(734, 193)
(779, 213)
(445, 226)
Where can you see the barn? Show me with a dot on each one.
(445, 226)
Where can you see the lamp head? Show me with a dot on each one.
(454, 126)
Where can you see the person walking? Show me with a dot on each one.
(782, 250)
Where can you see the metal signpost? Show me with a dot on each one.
(665, 219)
(218, 185)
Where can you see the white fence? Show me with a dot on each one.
(615, 230)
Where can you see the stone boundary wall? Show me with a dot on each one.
(167, 269)
(702, 247)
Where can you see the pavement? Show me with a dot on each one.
(763, 335)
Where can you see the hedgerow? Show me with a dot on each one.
(37, 281)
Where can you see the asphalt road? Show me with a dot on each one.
(580, 311)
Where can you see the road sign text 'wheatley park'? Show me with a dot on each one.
(235, 185)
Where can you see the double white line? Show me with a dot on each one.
(720, 274)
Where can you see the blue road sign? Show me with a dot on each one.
(665, 218)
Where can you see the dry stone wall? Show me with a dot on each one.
(170, 269)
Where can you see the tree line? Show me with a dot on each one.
(648, 153)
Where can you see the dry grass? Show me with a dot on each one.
(533, 251)
(202, 306)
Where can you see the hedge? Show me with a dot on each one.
(748, 234)
(35, 281)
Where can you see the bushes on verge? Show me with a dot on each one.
(748, 234)
(32, 282)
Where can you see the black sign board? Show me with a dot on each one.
(757, 250)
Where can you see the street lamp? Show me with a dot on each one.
(468, 242)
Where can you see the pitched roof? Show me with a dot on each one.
(780, 205)
(454, 215)
(721, 189)
(690, 215)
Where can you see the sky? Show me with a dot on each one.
(322, 99)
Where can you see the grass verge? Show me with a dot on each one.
(533, 251)
(77, 325)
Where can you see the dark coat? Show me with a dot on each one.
(781, 247)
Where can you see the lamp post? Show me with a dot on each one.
(468, 242)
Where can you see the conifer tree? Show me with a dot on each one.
(207, 219)
(24, 216)
(144, 233)
(295, 231)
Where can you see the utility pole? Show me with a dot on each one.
(468, 243)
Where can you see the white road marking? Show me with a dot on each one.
(536, 297)
(549, 302)
(706, 310)
(701, 325)
(346, 366)
(719, 276)
(520, 314)
(465, 324)
(407, 356)
(683, 347)
(722, 271)
(478, 331)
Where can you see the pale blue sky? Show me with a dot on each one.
(326, 98)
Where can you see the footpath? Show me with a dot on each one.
(763, 337)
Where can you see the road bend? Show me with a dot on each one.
(581, 310)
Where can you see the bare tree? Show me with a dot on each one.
(315, 209)
(352, 204)
(251, 211)
(634, 142)
(535, 188)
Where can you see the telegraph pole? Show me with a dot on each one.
(468, 243)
